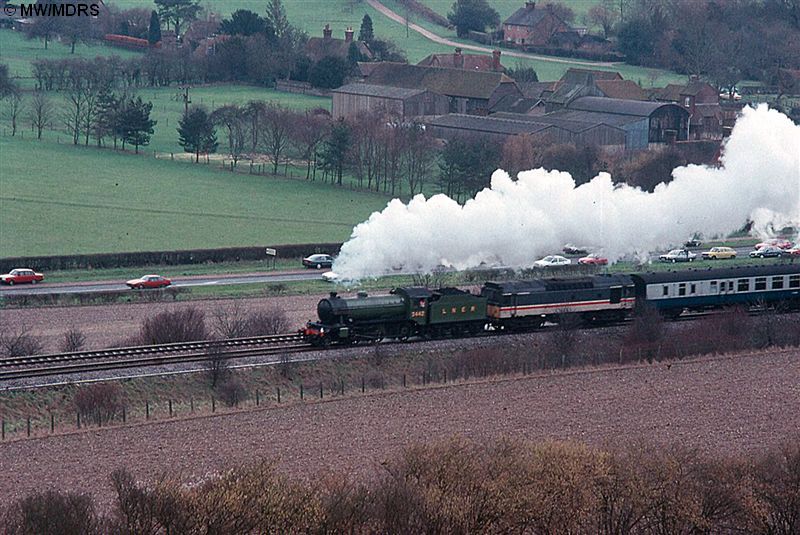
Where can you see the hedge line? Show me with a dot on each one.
(162, 258)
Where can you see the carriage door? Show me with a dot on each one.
(616, 295)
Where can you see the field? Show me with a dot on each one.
(728, 405)
(69, 200)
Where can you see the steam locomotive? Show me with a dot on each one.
(527, 304)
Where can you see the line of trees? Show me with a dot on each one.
(454, 486)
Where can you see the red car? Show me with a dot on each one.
(776, 242)
(149, 281)
(593, 260)
(20, 275)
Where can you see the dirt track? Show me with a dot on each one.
(725, 405)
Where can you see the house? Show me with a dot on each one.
(327, 45)
(468, 92)
(470, 62)
(352, 99)
(530, 25)
(701, 100)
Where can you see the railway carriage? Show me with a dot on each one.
(674, 291)
(528, 304)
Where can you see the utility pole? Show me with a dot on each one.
(186, 100)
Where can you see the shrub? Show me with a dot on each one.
(19, 344)
(72, 341)
(100, 401)
(217, 365)
(268, 321)
(232, 392)
(52, 513)
(166, 327)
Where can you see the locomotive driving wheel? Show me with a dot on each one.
(404, 332)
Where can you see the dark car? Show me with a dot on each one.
(318, 261)
(767, 252)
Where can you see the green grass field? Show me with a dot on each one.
(60, 199)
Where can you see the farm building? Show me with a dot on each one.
(468, 92)
(352, 99)
(470, 62)
(577, 131)
(702, 101)
(449, 127)
(319, 47)
(531, 25)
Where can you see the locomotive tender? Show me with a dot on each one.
(528, 304)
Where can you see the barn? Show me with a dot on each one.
(352, 99)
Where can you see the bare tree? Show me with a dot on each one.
(40, 112)
(234, 120)
(418, 157)
(230, 322)
(72, 340)
(13, 109)
(217, 365)
(307, 134)
(275, 128)
(604, 16)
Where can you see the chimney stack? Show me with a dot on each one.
(458, 59)
(496, 61)
(327, 32)
(348, 35)
(530, 5)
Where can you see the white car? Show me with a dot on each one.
(330, 276)
(552, 260)
(678, 255)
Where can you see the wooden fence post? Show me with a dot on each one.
(341, 383)
(147, 409)
(404, 380)
(320, 390)
(52, 422)
(79, 420)
(445, 375)
(191, 404)
(363, 384)
(170, 408)
(279, 394)
(29, 426)
(124, 415)
(301, 391)
(4, 428)
(213, 404)
(257, 400)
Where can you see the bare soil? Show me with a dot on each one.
(724, 405)
(107, 325)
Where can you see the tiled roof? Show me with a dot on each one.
(625, 89)
(451, 82)
(515, 104)
(319, 47)
(591, 117)
(586, 76)
(378, 91)
(529, 16)
(536, 89)
(576, 123)
(472, 62)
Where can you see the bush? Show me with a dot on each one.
(72, 341)
(99, 401)
(267, 321)
(19, 344)
(52, 513)
(217, 365)
(232, 392)
(167, 327)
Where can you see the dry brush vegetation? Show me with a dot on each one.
(453, 486)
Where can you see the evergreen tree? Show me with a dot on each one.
(135, 123)
(366, 32)
(353, 55)
(472, 15)
(196, 133)
(154, 30)
(245, 22)
(276, 17)
(329, 72)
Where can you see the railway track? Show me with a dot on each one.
(141, 356)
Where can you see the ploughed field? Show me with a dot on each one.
(726, 405)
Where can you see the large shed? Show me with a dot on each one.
(575, 130)
(449, 127)
(645, 122)
(352, 99)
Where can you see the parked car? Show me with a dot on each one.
(573, 249)
(719, 253)
(149, 281)
(330, 276)
(318, 261)
(767, 251)
(678, 255)
(775, 242)
(593, 259)
(693, 242)
(21, 275)
(793, 252)
(552, 260)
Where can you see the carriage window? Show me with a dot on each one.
(761, 283)
(794, 281)
(665, 291)
(777, 283)
(713, 287)
(730, 286)
(693, 289)
(682, 289)
(744, 285)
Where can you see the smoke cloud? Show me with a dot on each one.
(515, 222)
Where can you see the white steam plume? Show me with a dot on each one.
(515, 222)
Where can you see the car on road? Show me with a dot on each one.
(692, 242)
(318, 261)
(775, 242)
(793, 252)
(21, 276)
(149, 281)
(593, 259)
(552, 261)
(678, 255)
(768, 251)
(574, 249)
(330, 276)
(719, 253)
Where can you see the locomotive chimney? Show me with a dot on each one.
(333, 294)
